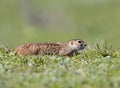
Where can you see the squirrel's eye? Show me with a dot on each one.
(79, 42)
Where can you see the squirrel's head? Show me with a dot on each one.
(77, 44)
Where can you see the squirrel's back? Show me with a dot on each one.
(38, 48)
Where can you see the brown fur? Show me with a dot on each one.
(62, 49)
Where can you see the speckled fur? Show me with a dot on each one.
(61, 49)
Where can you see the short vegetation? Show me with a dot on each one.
(94, 67)
(24, 21)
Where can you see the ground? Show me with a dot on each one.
(95, 67)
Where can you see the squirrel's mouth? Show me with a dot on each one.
(85, 44)
(82, 46)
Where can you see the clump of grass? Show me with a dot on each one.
(4, 48)
(105, 49)
(101, 49)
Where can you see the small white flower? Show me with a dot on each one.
(58, 58)
(30, 64)
(108, 57)
(67, 59)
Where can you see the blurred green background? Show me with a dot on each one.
(59, 20)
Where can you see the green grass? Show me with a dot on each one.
(91, 20)
(95, 67)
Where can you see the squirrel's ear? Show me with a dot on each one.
(72, 43)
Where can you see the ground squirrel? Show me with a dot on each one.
(62, 49)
